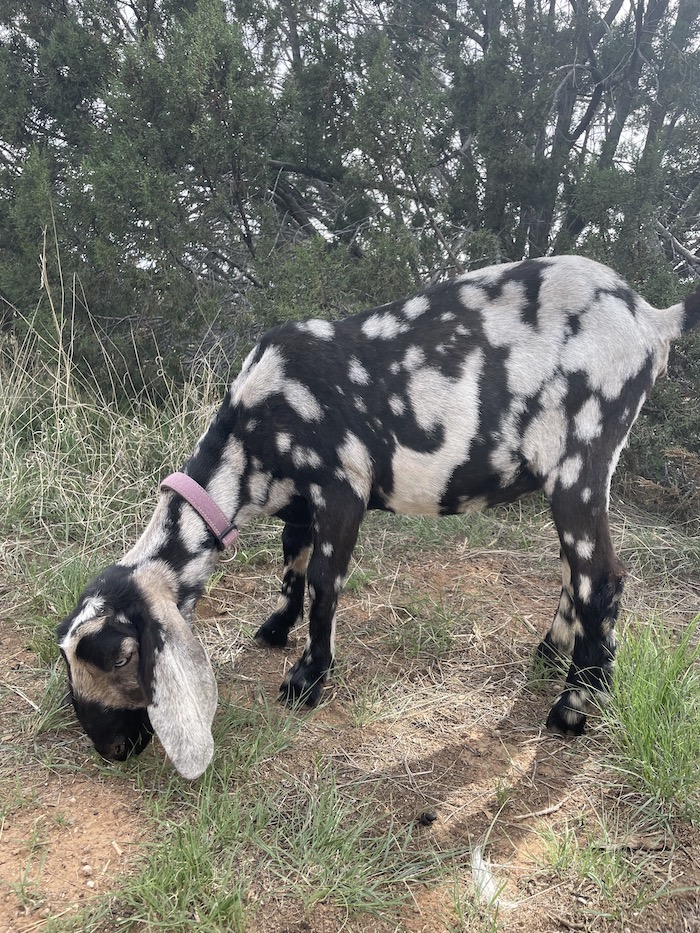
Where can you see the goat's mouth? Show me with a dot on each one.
(122, 747)
(117, 734)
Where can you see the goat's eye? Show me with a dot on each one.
(122, 661)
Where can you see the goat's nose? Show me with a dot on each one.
(114, 751)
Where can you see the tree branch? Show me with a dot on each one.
(282, 166)
(677, 247)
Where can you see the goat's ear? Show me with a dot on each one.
(181, 688)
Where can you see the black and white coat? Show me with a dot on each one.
(473, 392)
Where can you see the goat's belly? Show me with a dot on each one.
(419, 481)
(423, 485)
(414, 506)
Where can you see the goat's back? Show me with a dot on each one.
(474, 389)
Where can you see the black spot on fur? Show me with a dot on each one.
(103, 648)
(621, 292)
(528, 274)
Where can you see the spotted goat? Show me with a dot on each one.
(471, 393)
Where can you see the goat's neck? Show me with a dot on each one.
(176, 536)
(177, 542)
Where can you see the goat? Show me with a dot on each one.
(473, 392)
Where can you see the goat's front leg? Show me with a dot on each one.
(297, 545)
(335, 533)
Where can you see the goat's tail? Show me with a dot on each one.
(691, 311)
(670, 323)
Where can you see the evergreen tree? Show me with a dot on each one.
(177, 155)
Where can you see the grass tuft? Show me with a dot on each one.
(324, 846)
(653, 716)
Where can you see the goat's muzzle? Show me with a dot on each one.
(116, 733)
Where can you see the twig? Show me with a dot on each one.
(692, 260)
(545, 812)
(570, 924)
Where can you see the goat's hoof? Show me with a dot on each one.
(302, 685)
(271, 634)
(566, 716)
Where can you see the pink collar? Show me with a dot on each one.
(203, 504)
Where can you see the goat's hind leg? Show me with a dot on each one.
(297, 545)
(597, 581)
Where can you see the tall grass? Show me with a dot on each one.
(653, 716)
(81, 456)
(80, 453)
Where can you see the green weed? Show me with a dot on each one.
(28, 889)
(359, 578)
(197, 873)
(653, 716)
(612, 854)
(368, 701)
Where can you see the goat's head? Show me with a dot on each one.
(136, 669)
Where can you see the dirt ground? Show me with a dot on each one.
(469, 758)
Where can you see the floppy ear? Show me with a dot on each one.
(181, 688)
